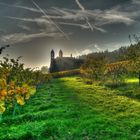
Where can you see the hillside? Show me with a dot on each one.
(69, 109)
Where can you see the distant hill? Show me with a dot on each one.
(120, 54)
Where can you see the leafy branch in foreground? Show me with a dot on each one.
(17, 84)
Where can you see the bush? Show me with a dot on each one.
(65, 73)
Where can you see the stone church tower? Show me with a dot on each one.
(52, 64)
(60, 54)
(52, 54)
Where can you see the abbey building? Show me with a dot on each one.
(62, 63)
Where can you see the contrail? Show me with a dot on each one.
(84, 26)
(83, 9)
(89, 24)
(80, 5)
(99, 29)
(21, 7)
(50, 19)
(74, 24)
(92, 27)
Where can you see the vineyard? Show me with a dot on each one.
(67, 108)
(17, 85)
(100, 100)
(69, 70)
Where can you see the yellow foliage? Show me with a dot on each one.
(20, 100)
(2, 109)
(15, 83)
(3, 92)
(3, 83)
(11, 92)
(32, 90)
(12, 85)
(27, 96)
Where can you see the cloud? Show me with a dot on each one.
(37, 20)
(135, 1)
(41, 22)
(114, 18)
(98, 16)
(91, 48)
(86, 51)
(21, 7)
(50, 20)
(76, 16)
(85, 19)
(83, 26)
(125, 13)
(94, 47)
(24, 27)
(22, 37)
(99, 29)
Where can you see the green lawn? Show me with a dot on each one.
(132, 80)
(69, 109)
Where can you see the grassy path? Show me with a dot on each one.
(68, 109)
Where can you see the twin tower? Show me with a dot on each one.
(62, 63)
(54, 64)
(53, 54)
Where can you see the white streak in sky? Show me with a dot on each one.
(24, 27)
(83, 9)
(44, 21)
(21, 7)
(80, 5)
(99, 29)
(87, 20)
(94, 46)
(83, 26)
(15, 38)
(75, 17)
(51, 21)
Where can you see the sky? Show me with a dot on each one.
(34, 27)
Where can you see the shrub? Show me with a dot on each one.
(65, 73)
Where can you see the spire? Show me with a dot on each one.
(60, 54)
(52, 54)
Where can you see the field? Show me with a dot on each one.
(69, 109)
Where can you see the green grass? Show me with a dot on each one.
(69, 109)
(132, 80)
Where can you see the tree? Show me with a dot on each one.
(117, 70)
(94, 67)
(44, 69)
(133, 54)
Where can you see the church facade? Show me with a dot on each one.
(62, 63)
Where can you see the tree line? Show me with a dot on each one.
(114, 65)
